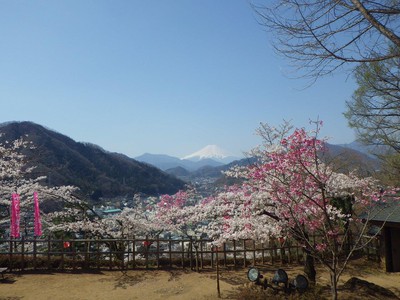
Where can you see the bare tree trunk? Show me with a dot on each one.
(334, 287)
(309, 266)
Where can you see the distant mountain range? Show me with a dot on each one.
(97, 172)
(210, 156)
(205, 165)
(209, 173)
(353, 156)
(213, 152)
(371, 150)
(165, 162)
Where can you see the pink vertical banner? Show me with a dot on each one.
(15, 216)
(38, 223)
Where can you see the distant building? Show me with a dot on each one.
(388, 218)
(112, 211)
(104, 211)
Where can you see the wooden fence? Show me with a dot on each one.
(62, 254)
(122, 254)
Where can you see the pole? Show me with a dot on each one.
(218, 288)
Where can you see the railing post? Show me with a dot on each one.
(254, 253)
(34, 252)
(190, 254)
(158, 251)
(48, 252)
(273, 251)
(170, 251)
(110, 255)
(234, 253)
(262, 253)
(224, 247)
(62, 252)
(133, 252)
(23, 253)
(147, 248)
(183, 253)
(128, 245)
(98, 254)
(244, 254)
(87, 256)
(11, 254)
(212, 257)
(201, 254)
(72, 245)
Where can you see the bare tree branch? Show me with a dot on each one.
(320, 36)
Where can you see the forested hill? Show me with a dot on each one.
(95, 171)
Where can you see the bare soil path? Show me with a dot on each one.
(175, 284)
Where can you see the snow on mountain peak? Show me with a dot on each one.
(209, 152)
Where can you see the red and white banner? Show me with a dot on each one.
(38, 223)
(15, 216)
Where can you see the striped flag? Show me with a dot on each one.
(38, 223)
(15, 216)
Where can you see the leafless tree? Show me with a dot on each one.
(319, 36)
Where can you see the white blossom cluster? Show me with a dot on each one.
(16, 176)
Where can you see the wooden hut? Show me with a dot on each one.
(388, 219)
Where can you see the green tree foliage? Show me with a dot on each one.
(374, 110)
(390, 171)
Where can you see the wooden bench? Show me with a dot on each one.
(2, 271)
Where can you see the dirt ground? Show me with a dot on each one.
(179, 284)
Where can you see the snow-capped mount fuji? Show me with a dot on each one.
(210, 156)
(213, 152)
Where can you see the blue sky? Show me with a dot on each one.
(155, 76)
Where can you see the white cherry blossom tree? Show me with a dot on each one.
(18, 176)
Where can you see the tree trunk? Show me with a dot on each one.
(334, 293)
(309, 266)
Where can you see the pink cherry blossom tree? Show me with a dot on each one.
(292, 191)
